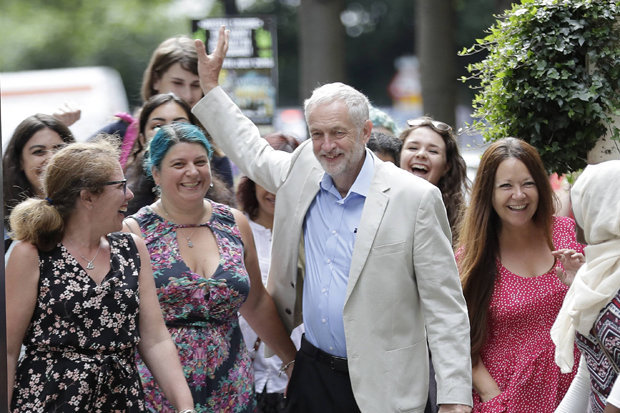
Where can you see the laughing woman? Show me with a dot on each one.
(509, 281)
(81, 296)
(430, 151)
(206, 270)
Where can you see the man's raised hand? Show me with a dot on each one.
(210, 65)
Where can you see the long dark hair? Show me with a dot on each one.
(16, 185)
(479, 235)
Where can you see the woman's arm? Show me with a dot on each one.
(483, 383)
(259, 309)
(22, 280)
(156, 347)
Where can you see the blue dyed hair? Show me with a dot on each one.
(169, 135)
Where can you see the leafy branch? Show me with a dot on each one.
(551, 76)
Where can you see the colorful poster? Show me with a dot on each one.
(249, 74)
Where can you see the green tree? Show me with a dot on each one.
(43, 34)
(551, 77)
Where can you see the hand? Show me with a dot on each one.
(571, 261)
(454, 408)
(610, 408)
(209, 66)
(67, 114)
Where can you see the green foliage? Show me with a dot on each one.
(551, 77)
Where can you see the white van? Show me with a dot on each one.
(97, 91)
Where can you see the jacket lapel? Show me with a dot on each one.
(372, 215)
(307, 193)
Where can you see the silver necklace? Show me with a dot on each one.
(188, 238)
(90, 265)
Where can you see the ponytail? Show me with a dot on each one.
(38, 222)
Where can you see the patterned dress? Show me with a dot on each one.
(606, 331)
(518, 351)
(201, 315)
(81, 342)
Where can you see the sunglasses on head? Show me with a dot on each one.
(435, 124)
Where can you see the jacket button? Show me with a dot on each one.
(288, 311)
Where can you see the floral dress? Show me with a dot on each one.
(81, 342)
(201, 315)
(518, 351)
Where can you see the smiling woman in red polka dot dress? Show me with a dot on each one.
(510, 284)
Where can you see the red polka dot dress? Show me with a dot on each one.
(518, 352)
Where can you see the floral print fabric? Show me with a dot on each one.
(81, 342)
(201, 315)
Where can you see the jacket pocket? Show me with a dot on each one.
(407, 377)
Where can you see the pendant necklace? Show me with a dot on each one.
(90, 265)
(188, 238)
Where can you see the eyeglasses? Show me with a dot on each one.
(124, 182)
(435, 124)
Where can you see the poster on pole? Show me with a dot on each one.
(250, 73)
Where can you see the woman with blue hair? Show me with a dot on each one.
(206, 271)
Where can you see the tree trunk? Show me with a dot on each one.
(321, 44)
(436, 50)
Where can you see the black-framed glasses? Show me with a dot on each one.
(123, 181)
(435, 124)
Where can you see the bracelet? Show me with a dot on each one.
(285, 366)
(187, 411)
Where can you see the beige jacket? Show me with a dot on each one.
(403, 288)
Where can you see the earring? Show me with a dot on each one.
(156, 190)
(211, 184)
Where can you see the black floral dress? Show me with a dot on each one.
(81, 342)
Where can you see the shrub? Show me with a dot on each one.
(551, 77)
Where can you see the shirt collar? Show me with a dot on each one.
(362, 182)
